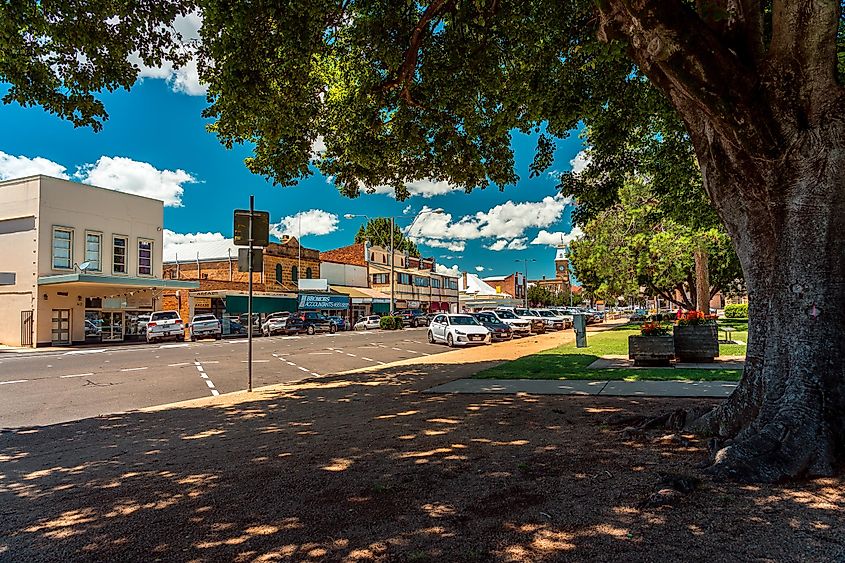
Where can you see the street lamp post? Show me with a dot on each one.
(392, 250)
(525, 261)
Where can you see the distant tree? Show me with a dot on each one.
(540, 296)
(377, 232)
(637, 246)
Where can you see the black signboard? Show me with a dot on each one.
(260, 228)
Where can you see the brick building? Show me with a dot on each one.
(417, 285)
(223, 287)
(514, 285)
(560, 283)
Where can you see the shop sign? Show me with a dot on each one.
(323, 302)
(413, 304)
(202, 302)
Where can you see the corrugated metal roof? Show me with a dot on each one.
(205, 250)
(476, 286)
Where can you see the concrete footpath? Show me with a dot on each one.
(717, 389)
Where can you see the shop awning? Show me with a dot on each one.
(260, 304)
(353, 292)
(378, 296)
(116, 281)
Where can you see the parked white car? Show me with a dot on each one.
(520, 327)
(275, 323)
(205, 326)
(165, 325)
(367, 323)
(457, 330)
(553, 320)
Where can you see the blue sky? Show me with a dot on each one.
(155, 144)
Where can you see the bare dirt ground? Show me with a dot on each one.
(365, 467)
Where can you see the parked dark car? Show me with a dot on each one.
(413, 317)
(294, 325)
(499, 331)
(339, 322)
(317, 322)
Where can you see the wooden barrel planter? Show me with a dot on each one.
(651, 350)
(696, 343)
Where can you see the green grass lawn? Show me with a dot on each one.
(569, 362)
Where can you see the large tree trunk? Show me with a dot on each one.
(766, 116)
(787, 417)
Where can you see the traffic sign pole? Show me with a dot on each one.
(249, 300)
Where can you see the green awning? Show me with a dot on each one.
(236, 304)
(381, 308)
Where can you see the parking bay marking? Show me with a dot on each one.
(76, 375)
(208, 381)
(13, 381)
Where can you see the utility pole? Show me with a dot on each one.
(525, 261)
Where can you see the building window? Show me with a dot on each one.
(453, 283)
(279, 273)
(62, 248)
(294, 274)
(119, 245)
(307, 273)
(404, 278)
(145, 257)
(381, 278)
(420, 281)
(435, 282)
(94, 251)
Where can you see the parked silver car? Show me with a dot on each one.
(206, 326)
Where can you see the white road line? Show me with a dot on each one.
(208, 382)
(199, 368)
(13, 381)
(368, 359)
(302, 368)
(290, 363)
(411, 351)
(215, 392)
(255, 361)
(97, 351)
(398, 349)
(352, 355)
(315, 374)
(179, 364)
(214, 362)
(319, 353)
(77, 375)
(134, 369)
(204, 375)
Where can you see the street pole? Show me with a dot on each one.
(525, 281)
(299, 247)
(249, 300)
(392, 270)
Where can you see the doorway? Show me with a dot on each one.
(60, 332)
(112, 329)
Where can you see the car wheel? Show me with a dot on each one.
(430, 337)
(310, 329)
(332, 329)
(449, 341)
(218, 337)
(193, 339)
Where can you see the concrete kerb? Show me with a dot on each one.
(675, 389)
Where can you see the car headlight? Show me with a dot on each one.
(460, 332)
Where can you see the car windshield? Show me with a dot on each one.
(487, 317)
(506, 315)
(165, 316)
(200, 318)
(545, 313)
(522, 312)
(462, 320)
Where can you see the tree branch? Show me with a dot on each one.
(406, 71)
(804, 48)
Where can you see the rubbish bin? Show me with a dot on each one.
(579, 325)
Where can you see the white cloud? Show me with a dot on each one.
(406, 210)
(425, 188)
(140, 178)
(452, 245)
(20, 166)
(184, 79)
(480, 268)
(558, 238)
(313, 222)
(508, 220)
(504, 244)
(451, 270)
(580, 162)
(171, 238)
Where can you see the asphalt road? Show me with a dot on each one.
(55, 386)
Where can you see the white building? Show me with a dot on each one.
(77, 262)
(476, 295)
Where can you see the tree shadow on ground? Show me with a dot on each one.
(366, 467)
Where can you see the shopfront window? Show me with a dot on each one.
(279, 273)
(93, 251)
(119, 245)
(62, 248)
(307, 273)
(145, 257)
(381, 278)
(294, 274)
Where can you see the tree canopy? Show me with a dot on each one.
(636, 247)
(377, 232)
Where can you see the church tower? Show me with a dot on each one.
(562, 270)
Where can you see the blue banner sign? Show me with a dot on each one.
(323, 302)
